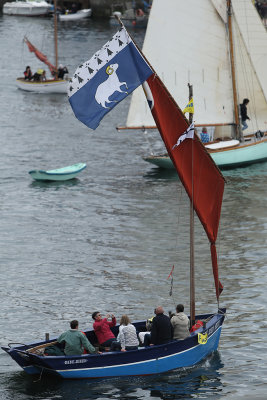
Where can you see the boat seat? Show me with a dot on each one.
(40, 348)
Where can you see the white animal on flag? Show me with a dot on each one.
(111, 85)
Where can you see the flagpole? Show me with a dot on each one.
(55, 36)
(192, 231)
(238, 130)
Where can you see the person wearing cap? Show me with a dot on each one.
(61, 71)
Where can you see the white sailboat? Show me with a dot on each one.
(219, 47)
(54, 85)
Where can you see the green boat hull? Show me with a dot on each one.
(226, 158)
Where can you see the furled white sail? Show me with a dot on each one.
(187, 42)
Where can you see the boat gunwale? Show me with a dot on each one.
(234, 147)
(48, 81)
(237, 146)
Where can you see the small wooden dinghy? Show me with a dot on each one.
(60, 174)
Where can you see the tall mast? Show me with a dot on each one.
(192, 232)
(55, 35)
(238, 131)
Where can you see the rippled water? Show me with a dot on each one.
(108, 240)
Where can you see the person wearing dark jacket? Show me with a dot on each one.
(28, 73)
(161, 331)
(244, 114)
(62, 71)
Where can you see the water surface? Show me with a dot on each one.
(107, 240)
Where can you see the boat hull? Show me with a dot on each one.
(144, 361)
(81, 14)
(50, 86)
(60, 174)
(225, 158)
(26, 9)
(130, 22)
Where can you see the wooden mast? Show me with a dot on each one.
(192, 232)
(237, 123)
(55, 36)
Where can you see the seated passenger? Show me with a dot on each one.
(75, 341)
(127, 337)
(204, 136)
(28, 73)
(43, 76)
(144, 337)
(180, 323)
(161, 331)
(62, 71)
(102, 329)
(38, 74)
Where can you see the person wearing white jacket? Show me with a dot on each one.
(180, 323)
(127, 337)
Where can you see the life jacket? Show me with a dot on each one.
(197, 325)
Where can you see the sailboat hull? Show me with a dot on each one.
(144, 361)
(27, 8)
(227, 158)
(49, 86)
(81, 14)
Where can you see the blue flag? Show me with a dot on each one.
(107, 78)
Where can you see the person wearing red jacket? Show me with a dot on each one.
(102, 329)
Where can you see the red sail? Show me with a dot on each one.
(40, 55)
(200, 176)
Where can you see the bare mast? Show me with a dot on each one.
(192, 232)
(238, 131)
(55, 35)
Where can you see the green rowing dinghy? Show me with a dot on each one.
(60, 174)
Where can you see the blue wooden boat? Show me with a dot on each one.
(144, 361)
(59, 174)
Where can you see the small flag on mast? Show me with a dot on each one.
(189, 134)
(189, 107)
(170, 274)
